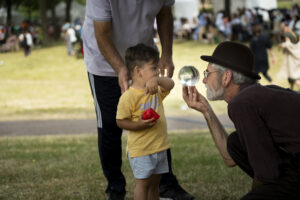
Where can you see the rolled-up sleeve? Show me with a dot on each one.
(98, 10)
(169, 2)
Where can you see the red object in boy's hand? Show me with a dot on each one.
(149, 114)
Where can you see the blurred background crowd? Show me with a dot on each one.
(63, 20)
(213, 28)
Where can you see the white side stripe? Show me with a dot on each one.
(97, 107)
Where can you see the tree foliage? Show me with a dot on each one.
(39, 7)
(8, 4)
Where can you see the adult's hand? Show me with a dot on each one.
(123, 78)
(166, 63)
(194, 99)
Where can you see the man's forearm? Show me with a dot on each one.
(220, 136)
(165, 30)
(103, 34)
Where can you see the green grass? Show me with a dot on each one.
(68, 167)
(47, 84)
(51, 85)
(286, 4)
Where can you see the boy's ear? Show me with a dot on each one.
(137, 70)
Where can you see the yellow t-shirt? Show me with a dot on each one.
(131, 105)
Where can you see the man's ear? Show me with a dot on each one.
(227, 77)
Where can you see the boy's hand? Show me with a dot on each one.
(145, 124)
(152, 86)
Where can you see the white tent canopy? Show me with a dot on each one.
(186, 9)
(235, 4)
(251, 4)
(266, 4)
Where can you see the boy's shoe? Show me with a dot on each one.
(115, 196)
(176, 193)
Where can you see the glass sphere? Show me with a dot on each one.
(188, 76)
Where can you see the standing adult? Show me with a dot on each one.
(266, 143)
(70, 39)
(261, 46)
(110, 27)
(294, 24)
(26, 41)
(290, 67)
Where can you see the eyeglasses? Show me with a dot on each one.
(206, 73)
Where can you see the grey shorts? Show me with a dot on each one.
(144, 166)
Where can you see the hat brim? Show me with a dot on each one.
(229, 65)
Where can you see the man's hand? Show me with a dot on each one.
(123, 78)
(194, 99)
(166, 63)
(152, 86)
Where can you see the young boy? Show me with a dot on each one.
(147, 139)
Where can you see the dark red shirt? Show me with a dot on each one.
(266, 118)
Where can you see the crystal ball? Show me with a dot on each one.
(188, 76)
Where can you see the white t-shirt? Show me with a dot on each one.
(132, 23)
(28, 39)
(72, 34)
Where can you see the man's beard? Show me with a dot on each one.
(213, 94)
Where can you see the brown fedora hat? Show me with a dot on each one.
(235, 56)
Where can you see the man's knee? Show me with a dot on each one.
(232, 142)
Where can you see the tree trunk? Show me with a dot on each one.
(203, 4)
(8, 7)
(227, 7)
(68, 10)
(29, 13)
(54, 20)
(53, 13)
(44, 22)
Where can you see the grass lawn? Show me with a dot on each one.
(51, 85)
(67, 167)
(287, 4)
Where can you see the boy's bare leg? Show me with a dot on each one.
(141, 188)
(147, 189)
(153, 192)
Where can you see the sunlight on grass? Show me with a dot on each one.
(68, 167)
(49, 84)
